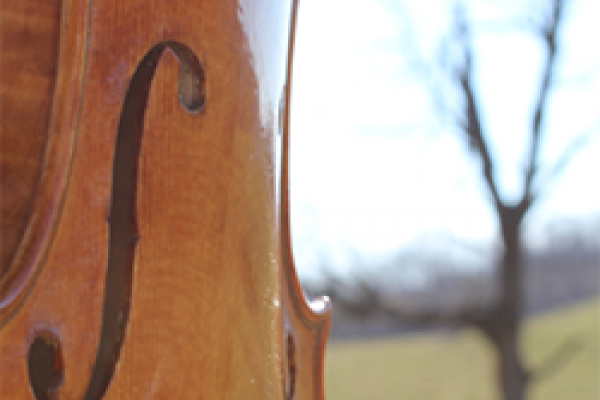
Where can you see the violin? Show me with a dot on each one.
(146, 248)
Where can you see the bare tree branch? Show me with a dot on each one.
(429, 71)
(429, 77)
(364, 299)
(472, 126)
(549, 33)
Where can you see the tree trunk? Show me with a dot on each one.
(505, 333)
(511, 374)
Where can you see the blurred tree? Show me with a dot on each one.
(500, 320)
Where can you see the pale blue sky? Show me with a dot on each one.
(374, 168)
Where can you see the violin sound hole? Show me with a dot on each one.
(45, 359)
(290, 387)
(45, 365)
(123, 227)
(191, 87)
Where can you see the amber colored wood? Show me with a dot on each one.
(28, 66)
(160, 262)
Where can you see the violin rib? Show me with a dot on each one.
(306, 324)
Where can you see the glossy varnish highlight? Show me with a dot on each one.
(164, 266)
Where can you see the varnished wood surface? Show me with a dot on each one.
(162, 211)
(28, 68)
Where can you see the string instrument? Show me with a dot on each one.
(146, 248)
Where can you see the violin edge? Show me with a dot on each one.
(32, 249)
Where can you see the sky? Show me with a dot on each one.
(376, 169)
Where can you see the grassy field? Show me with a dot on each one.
(460, 366)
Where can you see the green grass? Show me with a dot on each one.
(461, 366)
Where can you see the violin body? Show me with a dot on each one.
(148, 250)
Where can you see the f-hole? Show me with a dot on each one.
(45, 365)
(123, 226)
(290, 385)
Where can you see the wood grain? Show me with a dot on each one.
(28, 67)
(208, 305)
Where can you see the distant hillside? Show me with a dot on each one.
(563, 273)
